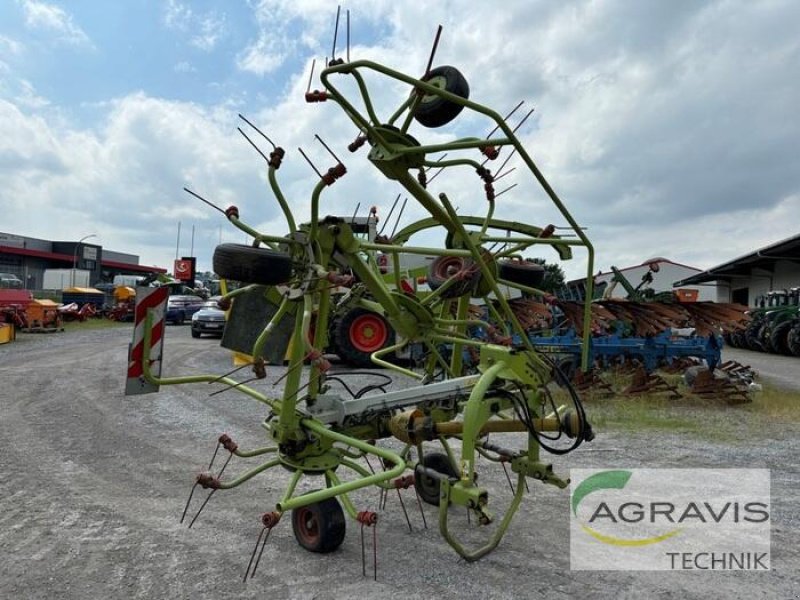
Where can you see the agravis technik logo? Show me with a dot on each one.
(672, 519)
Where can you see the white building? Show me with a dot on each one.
(743, 279)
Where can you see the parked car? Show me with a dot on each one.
(10, 281)
(209, 319)
(181, 307)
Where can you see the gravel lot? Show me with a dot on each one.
(93, 484)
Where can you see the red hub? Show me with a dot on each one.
(368, 333)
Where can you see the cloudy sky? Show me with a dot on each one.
(667, 128)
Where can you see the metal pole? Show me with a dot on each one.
(75, 256)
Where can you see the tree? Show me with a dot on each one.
(554, 278)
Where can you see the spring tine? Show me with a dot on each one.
(527, 489)
(264, 135)
(506, 118)
(369, 464)
(509, 188)
(199, 197)
(311, 75)
(469, 518)
(213, 456)
(229, 373)
(422, 512)
(375, 551)
(336, 32)
(253, 554)
(348, 34)
(499, 177)
(403, 506)
(508, 477)
(261, 552)
(231, 387)
(389, 216)
(324, 145)
(202, 506)
(363, 554)
(308, 160)
(252, 143)
(399, 215)
(222, 470)
(186, 508)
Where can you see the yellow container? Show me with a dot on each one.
(7, 333)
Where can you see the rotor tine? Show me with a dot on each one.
(363, 554)
(399, 216)
(403, 506)
(308, 160)
(311, 75)
(375, 552)
(440, 159)
(421, 512)
(389, 216)
(469, 518)
(222, 470)
(355, 213)
(253, 554)
(335, 33)
(261, 552)
(264, 135)
(213, 456)
(229, 373)
(508, 477)
(509, 188)
(199, 197)
(348, 34)
(186, 508)
(506, 118)
(202, 506)
(369, 464)
(230, 387)
(252, 143)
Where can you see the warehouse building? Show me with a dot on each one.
(744, 279)
(28, 258)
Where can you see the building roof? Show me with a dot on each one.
(657, 259)
(765, 258)
(68, 258)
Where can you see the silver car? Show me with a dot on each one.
(209, 319)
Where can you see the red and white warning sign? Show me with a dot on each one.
(154, 300)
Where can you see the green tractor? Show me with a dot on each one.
(779, 322)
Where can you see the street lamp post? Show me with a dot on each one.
(75, 255)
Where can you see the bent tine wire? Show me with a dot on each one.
(253, 554)
(389, 216)
(506, 118)
(399, 215)
(199, 197)
(256, 148)
(335, 32)
(261, 552)
(433, 50)
(264, 135)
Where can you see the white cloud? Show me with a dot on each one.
(668, 129)
(205, 30)
(184, 67)
(49, 17)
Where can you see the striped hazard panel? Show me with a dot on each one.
(153, 300)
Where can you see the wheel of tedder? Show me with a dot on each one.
(434, 111)
(359, 333)
(524, 273)
(249, 264)
(443, 268)
(319, 527)
(428, 487)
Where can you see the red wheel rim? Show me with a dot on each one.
(368, 333)
(307, 526)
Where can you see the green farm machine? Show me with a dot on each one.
(317, 428)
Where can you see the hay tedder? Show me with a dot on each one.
(320, 428)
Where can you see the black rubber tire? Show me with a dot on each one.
(763, 337)
(428, 488)
(195, 334)
(434, 111)
(779, 337)
(438, 274)
(346, 348)
(319, 527)
(793, 338)
(524, 273)
(752, 341)
(181, 318)
(249, 264)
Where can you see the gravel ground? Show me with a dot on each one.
(93, 484)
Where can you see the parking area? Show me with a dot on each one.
(93, 485)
